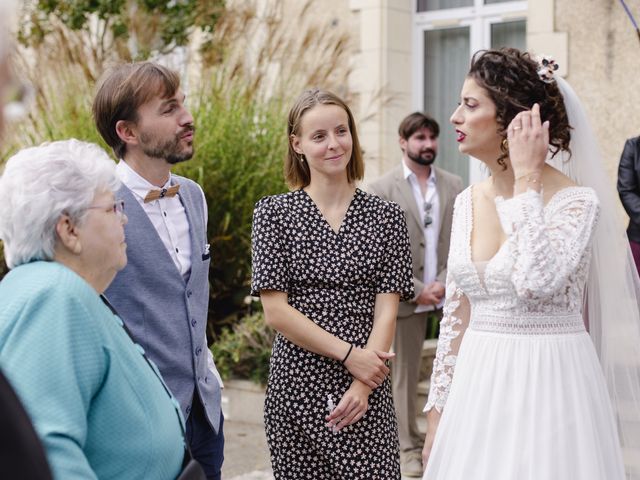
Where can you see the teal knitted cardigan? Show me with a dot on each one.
(98, 407)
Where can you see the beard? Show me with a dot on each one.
(426, 157)
(170, 149)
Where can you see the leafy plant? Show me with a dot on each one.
(244, 350)
(433, 326)
(103, 30)
(239, 160)
(251, 66)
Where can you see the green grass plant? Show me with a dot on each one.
(244, 351)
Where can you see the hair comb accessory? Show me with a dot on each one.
(546, 68)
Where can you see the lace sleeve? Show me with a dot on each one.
(455, 319)
(547, 249)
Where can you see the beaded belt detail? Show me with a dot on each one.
(530, 324)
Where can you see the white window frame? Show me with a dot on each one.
(479, 18)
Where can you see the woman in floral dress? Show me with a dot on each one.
(330, 263)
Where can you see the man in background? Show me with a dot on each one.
(426, 193)
(629, 191)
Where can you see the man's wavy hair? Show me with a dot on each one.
(511, 79)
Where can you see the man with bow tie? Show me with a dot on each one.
(163, 293)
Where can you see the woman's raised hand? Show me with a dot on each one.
(368, 366)
(528, 139)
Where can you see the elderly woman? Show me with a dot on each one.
(98, 404)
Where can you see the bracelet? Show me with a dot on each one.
(530, 177)
(347, 355)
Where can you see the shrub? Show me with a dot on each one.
(239, 160)
(433, 326)
(244, 350)
(253, 65)
(240, 145)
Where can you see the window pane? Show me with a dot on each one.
(446, 64)
(427, 5)
(509, 34)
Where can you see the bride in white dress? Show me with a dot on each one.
(529, 400)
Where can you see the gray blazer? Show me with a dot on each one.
(393, 186)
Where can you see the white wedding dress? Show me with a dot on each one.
(516, 376)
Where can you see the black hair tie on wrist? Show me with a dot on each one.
(347, 355)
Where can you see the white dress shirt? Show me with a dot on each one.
(166, 214)
(431, 232)
(170, 220)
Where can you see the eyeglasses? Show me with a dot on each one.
(117, 207)
(428, 220)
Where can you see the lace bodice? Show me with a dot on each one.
(534, 284)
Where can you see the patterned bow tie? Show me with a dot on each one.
(165, 192)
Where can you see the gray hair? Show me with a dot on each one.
(39, 184)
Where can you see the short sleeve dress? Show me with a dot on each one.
(333, 279)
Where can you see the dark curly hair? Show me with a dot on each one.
(511, 79)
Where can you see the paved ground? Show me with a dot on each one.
(246, 453)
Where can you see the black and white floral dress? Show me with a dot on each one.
(333, 279)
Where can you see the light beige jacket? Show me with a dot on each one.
(394, 187)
